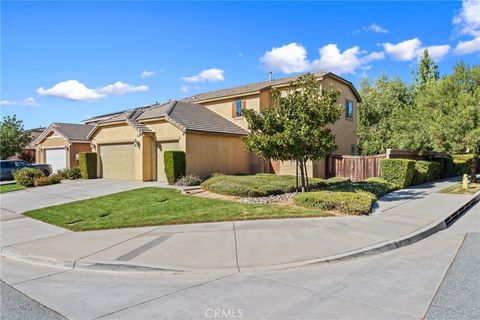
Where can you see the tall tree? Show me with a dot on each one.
(382, 101)
(427, 70)
(12, 137)
(295, 128)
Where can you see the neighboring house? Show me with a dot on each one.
(28, 152)
(60, 144)
(130, 145)
(209, 128)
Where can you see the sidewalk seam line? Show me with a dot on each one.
(236, 246)
(40, 277)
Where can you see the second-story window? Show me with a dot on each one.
(348, 109)
(238, 108)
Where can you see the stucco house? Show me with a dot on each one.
(209, 128)
(60, 144)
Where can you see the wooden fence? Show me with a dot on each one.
(358, 168)
(355, 168)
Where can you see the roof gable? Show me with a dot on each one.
(69, 131)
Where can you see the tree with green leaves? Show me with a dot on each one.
(382, 101)
(12, 137)
(295, 128)
(427, 70)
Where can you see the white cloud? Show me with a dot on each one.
(403, 51)
(184, 88)
(470, 46)
(372, 28)
(332, 59)
(288, 58)
(77, 91)
(438, 52)
(120, 88)
(292, 58)
(25, 102)
(146, 74)
(468, 20)
(71, 90)
(209, 75)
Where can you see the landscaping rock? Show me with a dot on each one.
(285, 197)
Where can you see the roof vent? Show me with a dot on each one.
(270, 76)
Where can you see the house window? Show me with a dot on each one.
(353, 149)
(238, 108)
(348, 109)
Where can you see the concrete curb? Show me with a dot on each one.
(377, 248)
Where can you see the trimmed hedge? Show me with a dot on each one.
(175, 165)
(354, 198)
(355, 203)
(26, 176)
(398, 171)
(261, 184)
(463, 163)
(427, 171)
(88, 164)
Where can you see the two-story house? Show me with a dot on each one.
(209, 127)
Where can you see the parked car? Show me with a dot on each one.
(7, 166)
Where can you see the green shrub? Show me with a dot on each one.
(47, 180)
(61, 173)
(355, 203)
(463, 163)
(188, 180)
(398, 171)
(88, 164)
(73, 173)
(350, 198)
(427, 171)
(175, 165)
(261, 184)
(26, 176)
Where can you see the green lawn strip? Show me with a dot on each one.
(354, 198)
(458, 189)
(260, 185)
(10, 187)
(156, 206)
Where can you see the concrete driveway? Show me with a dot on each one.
(14, 203)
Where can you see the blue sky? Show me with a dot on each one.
(66, 61)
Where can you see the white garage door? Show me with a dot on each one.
(117, 161)
(161, 147)
(57, 158)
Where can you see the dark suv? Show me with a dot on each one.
(7, 166)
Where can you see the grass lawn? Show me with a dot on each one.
(458, 189)
(261, 184)
(10, 187)
(156, 206)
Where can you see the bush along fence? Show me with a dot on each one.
(175, 165)
(428, 166)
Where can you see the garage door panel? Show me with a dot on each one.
(57, 158)
(117, 161)
(161, 147)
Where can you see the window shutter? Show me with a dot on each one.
(234, 111)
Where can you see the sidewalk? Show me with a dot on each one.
(400, 218)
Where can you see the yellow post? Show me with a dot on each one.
(465, 181)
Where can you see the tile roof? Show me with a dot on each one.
(185, 116)
(34, 133)
(70, 131)
(248, 88)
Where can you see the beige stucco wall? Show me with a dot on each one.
(345, 130)
(209, 153)
(224, 107)
(75, 149)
